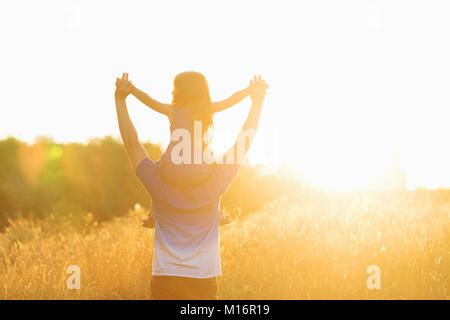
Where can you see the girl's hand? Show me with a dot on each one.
(123, 87)
(258, 89)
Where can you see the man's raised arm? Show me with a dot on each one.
(135, 149)
(240, 147)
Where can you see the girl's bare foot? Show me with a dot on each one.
(149, 222)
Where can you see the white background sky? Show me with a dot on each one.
(350, 81)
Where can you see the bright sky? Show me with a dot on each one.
(350, 81)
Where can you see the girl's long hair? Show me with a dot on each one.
(191, 91)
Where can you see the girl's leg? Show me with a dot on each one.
(224, 219)
(149, 222)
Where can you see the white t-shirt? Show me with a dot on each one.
(186, 244)
(186, 221)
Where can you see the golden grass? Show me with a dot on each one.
(315, 249)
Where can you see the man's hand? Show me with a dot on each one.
(258, 89)
(135, 150)
(123, 87)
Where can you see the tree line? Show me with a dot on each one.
(47, 178)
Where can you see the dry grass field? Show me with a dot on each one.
(317, 248)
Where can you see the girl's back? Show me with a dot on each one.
(186, 174)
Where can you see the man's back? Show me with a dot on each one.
(186, 222)
(186, 242)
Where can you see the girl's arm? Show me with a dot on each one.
(163, 108)
(231, 101)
